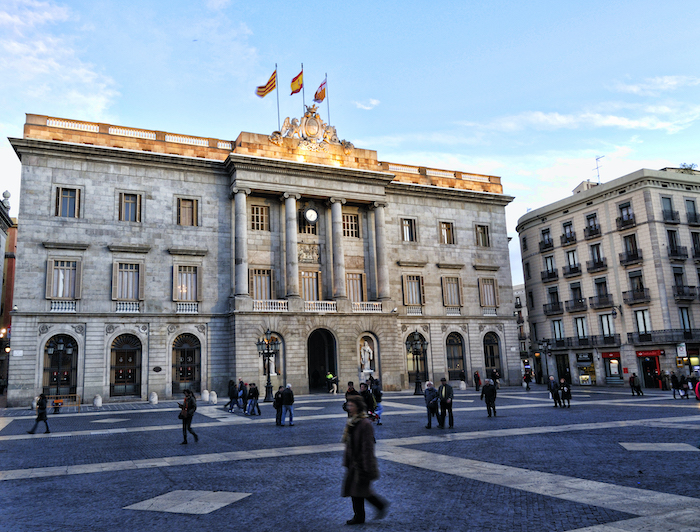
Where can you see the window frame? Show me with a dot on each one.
(482, 282)
(121, 204)
(486, 233)
(79, 196)
(176, 279)
(77, 285)
(252, 274)
(363, 286)
(447, 301)
(318, 280)
(351, 225)
(420, 289)
(444, 237)
(196, 214)
(259, 217)
(413, 227)
(141, 281)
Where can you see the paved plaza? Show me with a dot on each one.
(610, 463)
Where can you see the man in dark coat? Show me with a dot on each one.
(40, 415)
(360, 461)
(489, 393)
(431, 403)
(277, 404)
(189, 407)
(288, 405)
(477, 381)
(675, 384)
(553, 388)
(446, 395)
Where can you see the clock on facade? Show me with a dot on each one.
(311, 215)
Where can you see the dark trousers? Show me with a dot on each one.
(187, 427)
(358, 506)
(432, 412)
(278, 416)
(446, 408)
(491, 405)
(36, 424)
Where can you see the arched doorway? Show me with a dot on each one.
(322, 358)
(455, 356)
(125, 371)
(492, 354)
(60, 365)
(186, 363)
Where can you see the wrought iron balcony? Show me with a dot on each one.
(552, 275)
(678, 253)
(557, 344)
(572, 270)
(602, 301)
(518, 304)
(592, 231)
(693, 218)
(630, 257)
(684, 293)
(665, 336)
(671, 217)
(626, 221)
(546, 244)
(606, 340)
(577, 305)
(568, 238)
(634, 297)
(597, 265)
(553, 308)
(582, 341)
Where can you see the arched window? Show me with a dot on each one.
(455, 356)
(186, 363)
(60, 365)
(492, 354)
(125, 371)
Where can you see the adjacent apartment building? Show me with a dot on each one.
(611, 276)
(150, 261)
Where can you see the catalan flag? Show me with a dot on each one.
(320, 93)
(266, 89)
(298, 82)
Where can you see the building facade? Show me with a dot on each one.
(530, 359)
(611, 276)
(8, 241)
(149, 261)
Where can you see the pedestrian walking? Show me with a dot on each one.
(527, 379)
(40, 415)
(377, 392)
(489, 394)
(242, 394)
(565, 390)
(665, 380)
(350, 392)
(684, 386)
(368, 397)
(553, 388)
(332, 381)
(361, 462)
(446, 394)
(288, 405)
(431, 403)
(277, 405)
(188, 408)
(477, 380)
(635, 385)
(232, 395)
(253, 395)
(495, 377)
(675, 384)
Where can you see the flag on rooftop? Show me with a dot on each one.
(266, 89)
(298, 82)
(320, 93)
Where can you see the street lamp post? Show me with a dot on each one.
(545, 350)
(267, 348)
(417, 345)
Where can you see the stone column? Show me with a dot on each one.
(241, 242)
(382, 264)
(339, 286)
(290, 217)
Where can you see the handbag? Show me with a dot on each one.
(183, 412)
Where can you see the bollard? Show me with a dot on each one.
(205, 396)
(213, 398)
(153, 398)
(97, 401)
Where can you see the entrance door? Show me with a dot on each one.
(650, 366)
(322, 358)
(492, 354)
(563, 367)
(60, 365)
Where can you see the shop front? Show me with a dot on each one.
(613, 373)
(687, 359)
(586, 369)
(650, 367)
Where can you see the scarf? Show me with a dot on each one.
(350, 425)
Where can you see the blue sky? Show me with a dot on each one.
(531, 92)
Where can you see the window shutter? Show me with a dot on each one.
(78, 279)
(115, 281)
(176, 292)
(495, 291)
(320, 287)
(444, 295)
(422, 291)
(251, 283)
(405, 290)
(273, 294)
(363, 277)
(480, 285)
(461, 292)
(142, 281)
(195, 214)
(138, 208)
(302, 288)
(199, 283)
(58, 201)
(77, 203)
(49, 278)
(121, 206)
(178, 211)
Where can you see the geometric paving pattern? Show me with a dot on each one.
(189, 502)
(663, 447)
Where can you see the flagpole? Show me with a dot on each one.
(303, 92)
(277, 91)
(328, 101)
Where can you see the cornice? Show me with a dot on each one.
(432, 191)
(80, 246)
(194, 252)
(129, 248)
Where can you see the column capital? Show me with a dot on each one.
(342, 201)
(288, 195)
(236, 190)
(379, 205)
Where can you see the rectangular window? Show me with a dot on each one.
(186, 288)
(527, 270)
(695, 237)
(261, 285)
(68, 202)
(601, 287)
(568, 229)
(260, 217)
(533, 329)
(129, 207)
(128, 282)
(187, 212)
(607, 326)
(524, 243)
(672, 239)
(643, 321)
(482, 236)
(667, 206)
(531, 299)
(408, 230)
(558, 328)
(451, 292)
(592, 221)
(63, 279)
(575, 291)
(626, 211)
(581, 327)
(630, 242)
(553, 294)
(691, 212)
(685, 318)
(413, 290)
(356, 287)
(351, 226)
(678, 276)
(549, 264)
(596, 254)
(488, 292)
(572, 258)
(310, 285)
(447, 234)
(636, 281)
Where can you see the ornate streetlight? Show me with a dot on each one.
(417, 345)
(267, 348)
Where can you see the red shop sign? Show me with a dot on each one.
(654, 353)
(613, 354)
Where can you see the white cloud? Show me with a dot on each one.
(19, 15)
(217, 5)
(657, 85)
(367, 106)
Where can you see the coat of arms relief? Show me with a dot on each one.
(313, 133)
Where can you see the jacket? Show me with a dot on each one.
(277, 401)
(360, 460)
(448, 393)
(489, 391)
(431, 397)
(368, 396)
(287, 397)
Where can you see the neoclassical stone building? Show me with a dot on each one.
(149, 261)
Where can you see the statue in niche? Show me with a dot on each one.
(367, 355)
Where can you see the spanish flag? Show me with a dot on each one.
(320, 93)
(266, 89)
(298, 82)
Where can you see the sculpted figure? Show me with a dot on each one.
(330, 135)
(367, 355)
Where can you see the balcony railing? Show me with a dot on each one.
(684, 293)
(367, 306)
(571, 270)
(574, 342)
(577, 305)
(58, 305)
(606, 340)
(270, 305)
(630, 257)
(553, 308)
(665, 336)
(559, 343)
(597, 265)
(489, 311)
(634, 297)
(671, 217)
(548, 275)
(414, 310)
(568, 238)
(518, 304)
(453, 311)
(188, 308)
(592, 231)
(546, 244)
(678, 253)
(128, 306)
(602, 301)
(625, 222)
(320, 306)
(693, 218)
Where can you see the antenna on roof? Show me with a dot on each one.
(597, 166)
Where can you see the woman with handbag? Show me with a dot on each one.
(188, 408)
